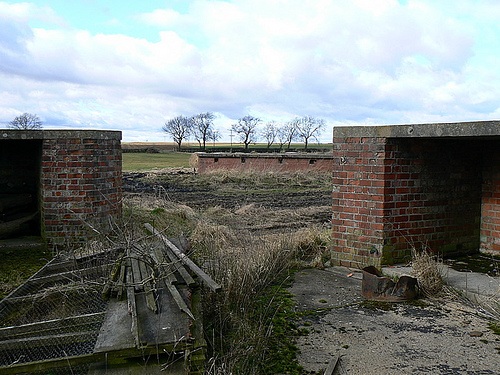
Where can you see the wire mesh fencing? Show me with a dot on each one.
(57, 313)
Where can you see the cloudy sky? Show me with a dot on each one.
(131, 65)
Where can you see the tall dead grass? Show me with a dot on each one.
(428, 271)
(246, 250)
(245, 265)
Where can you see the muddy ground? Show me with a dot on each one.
(441, 336)
(229, 191)
(274, 203)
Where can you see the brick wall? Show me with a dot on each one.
(433, 197)
(392, 194)
(80, 186)
(490, 207)
(288, 162)
(358, 200)
(76, 177)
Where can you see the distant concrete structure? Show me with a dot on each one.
(59, 183)
(434, 186)
(261, 162)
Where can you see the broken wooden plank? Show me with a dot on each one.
(178, 299)
(177, 266)
(120, 285)
(136, 274)
(147, 274)
(185, 260)
(165, 269)
(332, 365)
(115, 272)
(132, 308)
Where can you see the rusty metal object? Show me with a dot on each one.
(377, 287)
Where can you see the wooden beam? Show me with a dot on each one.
(332, 365)
(185, 260)
(115, 272)
(136, 274)
(163, 266)
(177, 266)
(134, 329)
(147, 274)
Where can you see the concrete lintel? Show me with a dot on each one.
(435, 130)
(6, 134)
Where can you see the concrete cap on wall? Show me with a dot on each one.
(433, 130)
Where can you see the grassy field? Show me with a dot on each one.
(166, 158)
(144, 161)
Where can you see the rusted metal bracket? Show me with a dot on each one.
(377, 287)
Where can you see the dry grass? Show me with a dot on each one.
(428, 271)
(245, 264)
(246, 250)
(266, 179)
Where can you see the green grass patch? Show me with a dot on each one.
(146, 161)
(495, 327)
(277, 305)
(17, 266)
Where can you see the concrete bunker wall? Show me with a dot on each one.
(407, 186)
(74, 177)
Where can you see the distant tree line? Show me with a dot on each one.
(248, 129)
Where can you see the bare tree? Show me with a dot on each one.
(309, 127)
(270, 133)
(26, 121)
(202, 128)
(288, 133)
(246, 128)
(179, 128)
(214, 136)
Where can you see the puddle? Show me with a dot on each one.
(481, 263)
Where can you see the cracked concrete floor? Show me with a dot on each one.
(421, 337)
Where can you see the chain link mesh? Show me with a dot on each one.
(57, 313)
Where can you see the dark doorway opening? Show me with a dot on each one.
(20, 162)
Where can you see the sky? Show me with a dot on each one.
(132, 65)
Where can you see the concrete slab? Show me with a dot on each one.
(419, 337)
(470, 282)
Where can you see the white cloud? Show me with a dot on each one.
(359, 61)
(160, 18)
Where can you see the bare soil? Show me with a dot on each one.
(274, 196)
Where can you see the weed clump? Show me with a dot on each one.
(428, 271)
